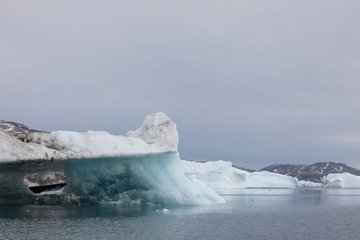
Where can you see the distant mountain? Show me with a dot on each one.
(313, 172)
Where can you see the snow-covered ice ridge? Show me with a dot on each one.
(158, 134)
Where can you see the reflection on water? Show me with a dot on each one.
(320, 214)
(257, 199)
(90, 211)
(237, 200)
(289, 191)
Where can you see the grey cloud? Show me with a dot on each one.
(251, 82)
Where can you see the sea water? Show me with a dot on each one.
(247, 214)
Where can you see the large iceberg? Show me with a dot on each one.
(221, 174)
(65, 167)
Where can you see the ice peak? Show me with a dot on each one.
(158, 129)
(155, 119)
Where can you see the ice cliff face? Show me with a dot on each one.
(157, 134)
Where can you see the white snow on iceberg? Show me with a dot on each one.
(12, 149)
(157, 134)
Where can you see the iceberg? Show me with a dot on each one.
(264, 179)
(215, 174)
(66, 167)
(221, 174)
(341, 180)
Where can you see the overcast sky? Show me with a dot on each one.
(252, 82)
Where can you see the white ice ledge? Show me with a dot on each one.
(158, 134)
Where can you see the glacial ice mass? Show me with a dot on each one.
(66, 167)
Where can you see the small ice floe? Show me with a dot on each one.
(164, 210)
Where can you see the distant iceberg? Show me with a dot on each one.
(341, 180)
(221, 174)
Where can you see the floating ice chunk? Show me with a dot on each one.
(164, 210)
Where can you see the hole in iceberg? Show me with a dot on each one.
(47, 188)
(45, 182)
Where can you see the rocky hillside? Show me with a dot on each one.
(313, 172)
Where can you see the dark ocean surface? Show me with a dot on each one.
(248, 214)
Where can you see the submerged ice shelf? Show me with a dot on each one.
(151, 178)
